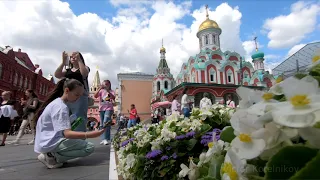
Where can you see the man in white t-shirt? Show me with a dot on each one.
(185, 107)
(205, 102)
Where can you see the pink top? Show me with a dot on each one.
(231, 104)
(105, 103)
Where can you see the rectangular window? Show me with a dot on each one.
(211, 77)
(229, 78)
(245, 75)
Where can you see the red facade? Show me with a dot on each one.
(17, 73)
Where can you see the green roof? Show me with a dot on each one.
(257, 55)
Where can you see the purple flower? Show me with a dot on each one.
(191, 134)
(153, 154)
(124, 143)
(206, 137)
(217, 131)
(205, 141)
(163, 158)
(174, 156)
(180, 137)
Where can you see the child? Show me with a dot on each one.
(55, 141)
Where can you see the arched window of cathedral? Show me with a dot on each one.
(230, 77)
(245, 74)
(212, 75)
(0, 71)
(206, 39)
(158, 86)
(214, 39)
(166, 84)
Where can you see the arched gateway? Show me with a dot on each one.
(199, 96)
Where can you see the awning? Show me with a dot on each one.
(164, 104)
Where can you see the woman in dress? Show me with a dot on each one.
(106, 98)
(29, 109)
(5, 119)
(76, 69)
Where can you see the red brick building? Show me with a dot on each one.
(18, 73)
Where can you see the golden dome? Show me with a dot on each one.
(208, 23)
(162, 49)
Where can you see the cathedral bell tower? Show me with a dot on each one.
(163, 79)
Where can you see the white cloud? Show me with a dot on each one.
(128, 42)
(287, 30)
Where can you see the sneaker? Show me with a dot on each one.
(31, 142)
(49, 161)
(102, 142)
(15, 142)
(105, 142)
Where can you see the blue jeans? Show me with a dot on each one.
(105, 116)
(80, 108)
(131, 122)
(186, 112)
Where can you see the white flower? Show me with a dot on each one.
(215, 148)
(192, 171)
(202, 159)
(312, 135)
(248, 97)
(130, 160)
(275, 134)
(303, 108)
(249, 142)
(204, 113)
(233, 167)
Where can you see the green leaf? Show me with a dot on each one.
(300, 75)
(227, 134)
(310, 171)
(191, 144)
(215, 166)
(253, 177)
(204, 128)
(288, 161)
(203, 170)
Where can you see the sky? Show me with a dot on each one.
(119, 36)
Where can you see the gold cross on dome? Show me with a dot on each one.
(207, 13)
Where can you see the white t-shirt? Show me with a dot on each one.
(205, 103)
(50, 126)
(184, 101)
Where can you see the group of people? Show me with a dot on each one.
(30, 104)
(185, 106)
(59, 123)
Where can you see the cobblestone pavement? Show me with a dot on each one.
(20, 162)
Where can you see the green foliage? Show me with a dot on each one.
(315, 70)
(288, 161)
(215, 166)
(280, 98)
(300, 75)
(227, 134)
(310, 171)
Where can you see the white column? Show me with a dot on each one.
(218, 76)
(224, 77)
(236, 77)
(206, 75)
(199, 76)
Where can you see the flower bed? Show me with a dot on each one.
(272, 135)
